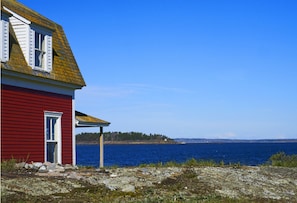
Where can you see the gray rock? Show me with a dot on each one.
(43, 169)
(37, 165)
(28, 166)
(51, 166)
(128, 188)
(74, 175)
(70, 167)
(113, 175)
(110, 184)
(47, 163)
(20, 165)
(59, 168)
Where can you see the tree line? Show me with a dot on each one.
(121, 136)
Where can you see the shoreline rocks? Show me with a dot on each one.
(248, 182)
(45, 167)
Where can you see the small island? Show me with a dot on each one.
(124, 138)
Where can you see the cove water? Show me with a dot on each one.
(133, 155)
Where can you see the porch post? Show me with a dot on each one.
(101, 147)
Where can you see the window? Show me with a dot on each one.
(51, 142)
(53, 137)
(34, 40)
(39, 50)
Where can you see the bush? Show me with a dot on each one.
(8, 165)
(191, 163)
(284, 160)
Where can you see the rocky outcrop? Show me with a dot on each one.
(270, 183)
(252, 182)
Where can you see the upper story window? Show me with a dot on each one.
(39, 50)
(34, 40)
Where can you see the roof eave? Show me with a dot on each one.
(12, 73)
(87, 124)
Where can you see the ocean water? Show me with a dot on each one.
(132, 155)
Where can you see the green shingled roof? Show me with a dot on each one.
(65, 68)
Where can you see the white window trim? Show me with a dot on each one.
(73, 133)
(17, 16)
(58, 139)
(47, 61)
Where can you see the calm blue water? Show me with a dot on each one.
(133, 155)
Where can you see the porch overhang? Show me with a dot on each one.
(83, 120)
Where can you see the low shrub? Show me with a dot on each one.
(284, 160)
(193, 162)
(189, 163)
(8, 165)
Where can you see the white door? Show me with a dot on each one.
(53, 137)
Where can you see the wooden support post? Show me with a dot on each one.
(101, 140)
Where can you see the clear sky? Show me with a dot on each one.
(185, 68)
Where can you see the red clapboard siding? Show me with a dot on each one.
(22, 123)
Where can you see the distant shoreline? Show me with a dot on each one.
(127, 142)
(209, 141)
(189, 141)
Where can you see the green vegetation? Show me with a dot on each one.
(192, 163)
(8, 165)
(121, 137)
(284, 160)
(280, 159)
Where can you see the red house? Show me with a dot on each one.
(39, 76)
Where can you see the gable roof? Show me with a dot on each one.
(65, 68)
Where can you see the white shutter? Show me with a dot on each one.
(4, 39)
(31, 48)
(24, 37)
(23, 34)
(49, 53)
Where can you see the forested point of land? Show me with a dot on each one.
(123, 137)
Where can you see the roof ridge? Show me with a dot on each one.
(31, 15)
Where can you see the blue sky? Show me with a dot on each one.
(185, 68)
